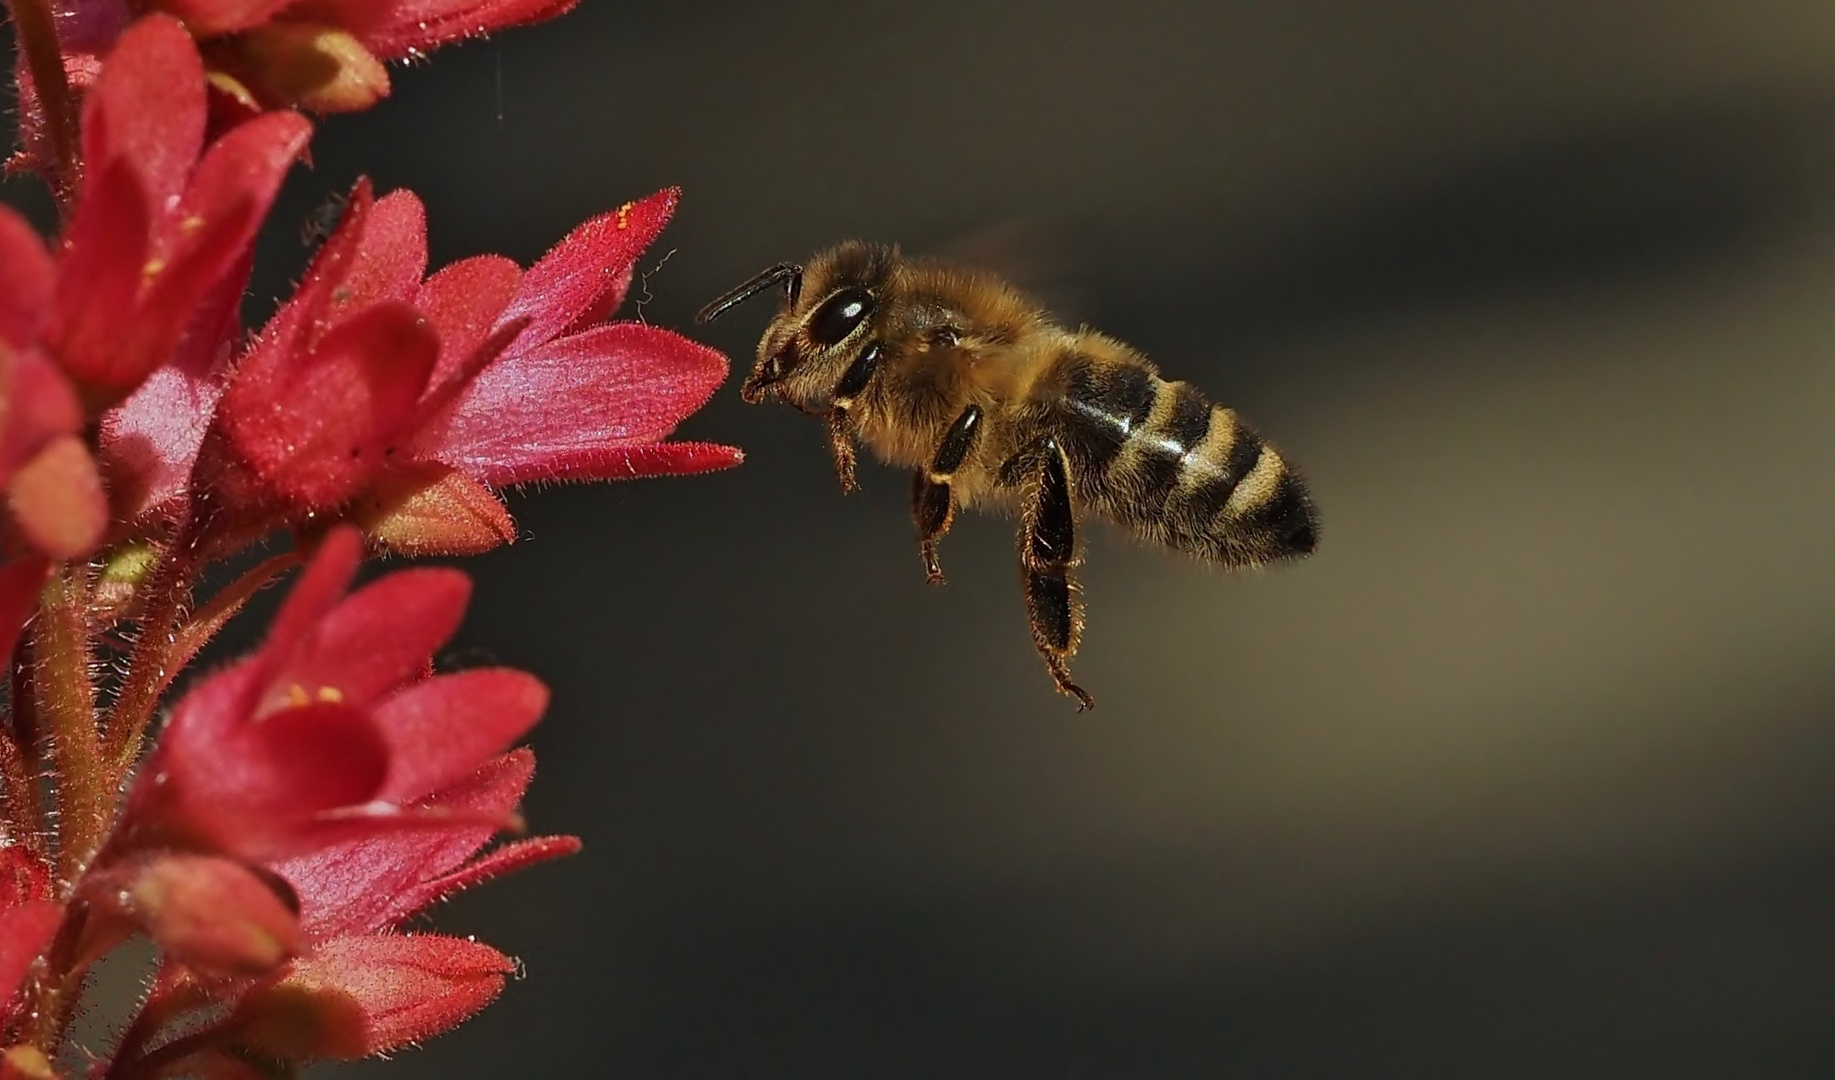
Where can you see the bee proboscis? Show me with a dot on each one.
(951, 372)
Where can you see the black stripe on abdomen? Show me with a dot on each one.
(1225, 471)
(1180, 422)
(1106, 404)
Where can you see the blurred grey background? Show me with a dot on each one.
(1526, 774)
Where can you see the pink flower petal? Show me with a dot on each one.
(375, 882)
(98, 281)
(246, 165)
(393, 257)
(314, 430)
(507, 859)
(527, 414)
(255, 790)
(208, 236)
(303, 317)
(289, 765)
(440, 730)
(304, 760)
(207, 716)
(314, 596)
(463, 301)
(586, 274)
(631, 462)
(150, 441)
(380, 637)
(146, 109)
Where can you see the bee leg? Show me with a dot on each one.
(1047, 554)
(840, 420)
(841, 444)
(933, 506)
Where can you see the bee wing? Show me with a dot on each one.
(1043, 256)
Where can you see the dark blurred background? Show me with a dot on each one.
(1526, 774)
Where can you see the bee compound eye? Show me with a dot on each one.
(839, 315)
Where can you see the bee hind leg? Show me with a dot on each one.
(933, 505)
(934, 509)
(1047, 555)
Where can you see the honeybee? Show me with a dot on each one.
(953, 373)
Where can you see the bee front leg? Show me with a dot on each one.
(840, 412)
(1047, 554)
(933, 505)
(841, 445)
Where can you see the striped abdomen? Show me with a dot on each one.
(1159, 458)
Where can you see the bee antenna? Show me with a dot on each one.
(789, 274)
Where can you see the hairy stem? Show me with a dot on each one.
(19, 766)
(66, 701)
(150, 666)
(36, 29)
(223, 606)
(25, 817)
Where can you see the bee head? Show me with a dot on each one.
(844, 287)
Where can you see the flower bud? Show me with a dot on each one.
(57, 499)
(26, 1063)
(123, 572)
(304, 64)
(211, 913)
(431, 509)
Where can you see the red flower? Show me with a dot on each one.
(365, 988)
(421, 397)
(331, 760)
(332, 731)
(159, 220)
(143, 286)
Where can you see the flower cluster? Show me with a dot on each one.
(301, 806)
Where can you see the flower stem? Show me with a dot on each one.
(66, 701)
(150, 664)
(223, 606)
(36, 29)
(24, 815)
(19, 767)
